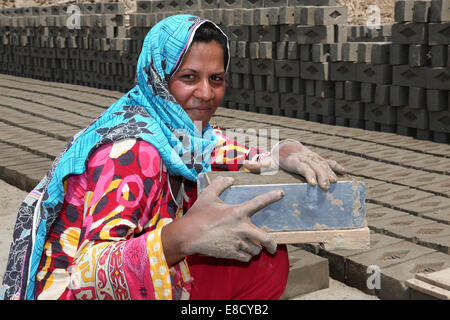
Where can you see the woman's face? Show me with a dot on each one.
(199, 84)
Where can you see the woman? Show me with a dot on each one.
(117, 216)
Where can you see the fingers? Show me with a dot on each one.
(257, 203)
(252, 166)
(306, 171)
(258, 166)
(336, 167)
(219, 185)
(322, 173)
(259, 235)
(250, 247)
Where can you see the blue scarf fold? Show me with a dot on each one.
(149, 112)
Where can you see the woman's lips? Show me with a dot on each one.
(200, 110)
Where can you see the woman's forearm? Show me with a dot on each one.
(174, 242)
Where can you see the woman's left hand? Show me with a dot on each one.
(294, 157)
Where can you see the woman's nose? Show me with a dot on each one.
(204, 90)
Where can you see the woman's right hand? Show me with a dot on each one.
(214, 228)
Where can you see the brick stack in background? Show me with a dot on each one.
(421, 74)
(37, 43)
(295, 58)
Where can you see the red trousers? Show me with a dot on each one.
(262, 278)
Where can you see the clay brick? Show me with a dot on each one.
(403, 11)
(243, 96)
(418, 55)
(380, 53)
(349, 109)
(437, 100)
(393, 278)
(275, 3)
(265, 16)
(438, 78)
(403, 197)
(330, 15)
(381, 74)
(410, 33)
(417, 97)
(266, 50)
(339, 90)
(268, 100)
(352, 90)
(238, 33)
(421, 11)
(304, 15)
(364, 51)
(356, 266)
(439, 33)
(315, 70)
(336, 52)
(440, 11)
(413, 118)
(439, 56)
(288, 33)
(350, 51)
(286, 68)
(433, 204)
(379, 191)
(368, 92)
(425, 181)
(249, 3)
(291, 101)
(399, 54)
(320, 106)
(307, 273)
(287, 15)
(382, 94)
(242, 49)
(285, 84)
(240, 65)
(409, 76)
(440, 215)
(265, 33)
(320, 52)
(425, 235)
(384, 213)
(230, 4)
(338, 258)
(263, 67)
(316, 34)
(305, 52)
(313, 2)
(398, 96)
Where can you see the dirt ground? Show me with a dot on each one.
(357, 8)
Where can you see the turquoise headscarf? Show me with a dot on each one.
(148, 111)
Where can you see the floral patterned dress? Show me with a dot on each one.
(106, 242)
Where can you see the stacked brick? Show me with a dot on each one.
(296, 58)
(280, 58)
(50, 44)
(421, 74)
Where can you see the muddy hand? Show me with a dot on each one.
(294, 157)
(225, 231)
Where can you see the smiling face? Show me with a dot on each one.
(199, 83)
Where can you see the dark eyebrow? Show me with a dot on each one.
(195, 71)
